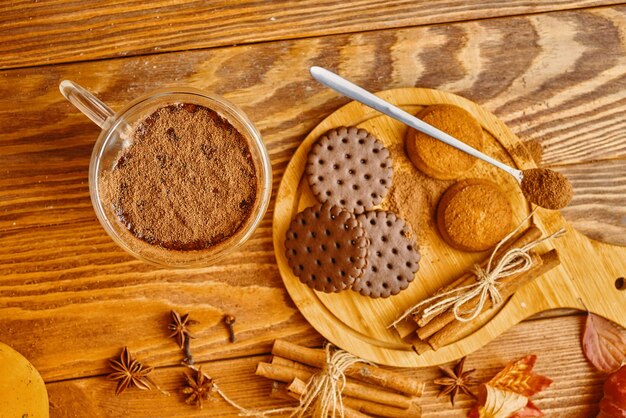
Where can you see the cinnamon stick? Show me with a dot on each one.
(419, 346)
(281, 361)
(379, 410)
(297, 388)
(353, 389)
(281, 391)
(447, 317)
(363, 372)
(450, 332)
(406, 327)
(525, 237)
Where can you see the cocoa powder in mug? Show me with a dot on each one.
(187, 182)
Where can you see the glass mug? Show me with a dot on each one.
(116, 136)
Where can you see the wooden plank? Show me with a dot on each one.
(57, 263)
(601, 190)
(57, 31)
(575, 392)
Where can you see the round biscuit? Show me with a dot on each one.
(474, 215)
(326, 247)
(349, 167)
(435, 158)
(393, 257)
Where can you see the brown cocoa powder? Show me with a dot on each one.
(187, 182)
(535, 149)
(547, 188)
(531, 147)
(413, 195)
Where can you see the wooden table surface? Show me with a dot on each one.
(70, 298)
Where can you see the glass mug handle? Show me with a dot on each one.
(90, 105)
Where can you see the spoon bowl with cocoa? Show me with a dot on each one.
(543, 187)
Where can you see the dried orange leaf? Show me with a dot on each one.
(604, 344)
(518, 377)
(498, 403)
(507, 389)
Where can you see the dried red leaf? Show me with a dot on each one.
(613, 405)
(530, 410)
(604, 344)
(518, 377)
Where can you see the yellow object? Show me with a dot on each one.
(22, 390)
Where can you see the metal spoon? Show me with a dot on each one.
(345, 87)
(540, 186)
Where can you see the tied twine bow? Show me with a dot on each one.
(323, 391)
(323, 394)
(513, 262)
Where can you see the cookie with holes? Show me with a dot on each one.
(326, 248)
(350, 168)
(393, 257)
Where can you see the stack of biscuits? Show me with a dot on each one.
(343, 242)
(473, 214)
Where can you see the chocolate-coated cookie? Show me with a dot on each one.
(393, 256)
(326, 248)
(349, 167)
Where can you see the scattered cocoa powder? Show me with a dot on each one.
(522, 149)
(413, 195)
(535, 149)
(547, 188)
(187, 182)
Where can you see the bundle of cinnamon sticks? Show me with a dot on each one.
(369, 390)
(431, 332)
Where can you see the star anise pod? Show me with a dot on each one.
(199, 387)
(179, 329)
(456, 380)
(129, 372)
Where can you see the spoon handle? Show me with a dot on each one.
(345, 87)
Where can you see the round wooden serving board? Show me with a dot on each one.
(584, 280)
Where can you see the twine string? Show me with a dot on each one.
(323, 392)
(244, 412)
(324, 389)
(486, 286)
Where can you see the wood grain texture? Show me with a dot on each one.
(537, 73)
(560, 78)
(575, 392)
(55, 31)
(601, 190)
